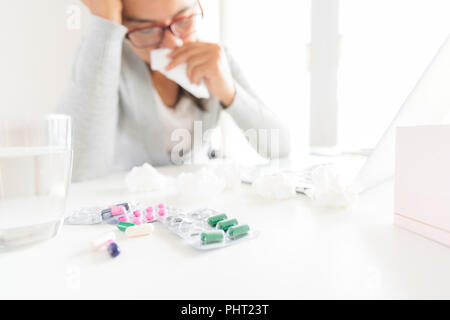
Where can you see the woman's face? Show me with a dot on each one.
(139, 14)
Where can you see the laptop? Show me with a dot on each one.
(427, 104)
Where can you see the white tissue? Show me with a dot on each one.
(203, 183)
(145, 178)
(159, 61)
(231, 174)
(277, 186)
(329, 188)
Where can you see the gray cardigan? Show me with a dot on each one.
(111, 101)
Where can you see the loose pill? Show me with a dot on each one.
(226, 224)
(123, 218)
(211, 237)
(237, 232)
(101, 240)
(212, 221)
(122, 226)
(140, 230)
(113, 249)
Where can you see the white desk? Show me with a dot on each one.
(302, 252)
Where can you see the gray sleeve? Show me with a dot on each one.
(262, 127)
(91, 98)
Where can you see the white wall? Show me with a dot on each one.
(36, 52)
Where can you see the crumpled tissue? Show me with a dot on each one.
(278, 186)
(208, 181)
(203, 183)
(145, 178)
(159, 62)
(231, 174)
(329, 188)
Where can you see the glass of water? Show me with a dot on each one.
(35, 174)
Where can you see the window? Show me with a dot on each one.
(385, 47)
(268, 39)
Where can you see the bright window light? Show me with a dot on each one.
(269, 40)
(385, 47)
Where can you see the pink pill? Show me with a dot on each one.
(161, 212)
(123, 219)
(137, 213)
(149, 217)
(117, 211)
(136, 221)
(149, 209)
(161, 206)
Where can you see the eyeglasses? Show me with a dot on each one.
(181, 27)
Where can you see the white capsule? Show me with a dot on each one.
(97, 243)
(139, 230)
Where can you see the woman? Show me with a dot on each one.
(123, 112)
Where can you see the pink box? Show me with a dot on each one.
(422, 181)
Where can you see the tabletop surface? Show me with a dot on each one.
(302, 252)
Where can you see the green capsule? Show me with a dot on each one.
(122, 226)
(212, 221)
(225, 224)
(237, 232)
(211, 237)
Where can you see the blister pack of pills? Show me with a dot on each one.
(203, 229)
(206, 229)
(113, 214)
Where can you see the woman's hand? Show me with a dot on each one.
(206, 61)
(107, 9)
